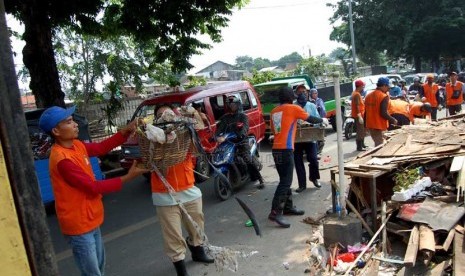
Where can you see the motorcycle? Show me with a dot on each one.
(224, 159)
(349, 122)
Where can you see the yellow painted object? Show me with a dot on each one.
(13, 258)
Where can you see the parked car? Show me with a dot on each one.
(211, 98)
(41, 145)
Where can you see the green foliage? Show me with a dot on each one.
(313, 66)
(402, 28)
(196, 81)
(248, 63)
(291, 58)
(405, 177)
(114, 104)
(156, 31)
(260, 77)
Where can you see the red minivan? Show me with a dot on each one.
(211, 98)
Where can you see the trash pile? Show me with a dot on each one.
(419, 175)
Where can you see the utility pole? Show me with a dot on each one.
(352, 39)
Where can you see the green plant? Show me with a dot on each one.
(405, 177)
(113, 106)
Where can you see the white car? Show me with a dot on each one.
(370, 81)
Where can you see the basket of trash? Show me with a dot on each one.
(308, 133)
(170, 146)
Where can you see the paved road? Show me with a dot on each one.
(134, 244)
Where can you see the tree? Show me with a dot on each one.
(342, 55)
(260, 77)
(244, 62)
(161, 30)
(313, 66)
(291, 58)
(403, 28)
(84, 61)
(260, 63)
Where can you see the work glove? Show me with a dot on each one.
(325, 122)
(360, 118)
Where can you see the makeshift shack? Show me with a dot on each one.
(419, 174)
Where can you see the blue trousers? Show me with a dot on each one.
(89, 253)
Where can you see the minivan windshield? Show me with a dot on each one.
(148, 111)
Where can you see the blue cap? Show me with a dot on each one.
(383, 81)
(54, 115)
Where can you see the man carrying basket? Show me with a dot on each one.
(181, 178)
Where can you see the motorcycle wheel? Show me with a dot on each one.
(222, 190)
(202, 166)
(349, 130)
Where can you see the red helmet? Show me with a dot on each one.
(359, 83)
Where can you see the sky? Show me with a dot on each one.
(272, 29)
(264, 28)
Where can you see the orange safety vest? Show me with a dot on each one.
(361, 105)
(374, 120)
(450, 90)
(179, 176)
(78, 212)
(415, 111)
(430, 93)
(398, 107)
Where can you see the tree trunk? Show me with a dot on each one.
(38, 55)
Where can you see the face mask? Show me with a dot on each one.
(301, 99)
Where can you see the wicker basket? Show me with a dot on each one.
(309, 133)
(165, 155)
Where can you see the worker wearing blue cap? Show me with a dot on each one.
(377, 117)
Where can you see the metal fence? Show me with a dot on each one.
(98, 121)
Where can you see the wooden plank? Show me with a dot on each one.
(448, 241)
(438, 269)
(427, 244)
(412, 248)
(386, 168)
(459, 255)
(459, 228)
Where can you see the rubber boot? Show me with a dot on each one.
(181, 268)
(198, 253)
(363, 144)
(276, 214)
(359, 144)
(290, 209)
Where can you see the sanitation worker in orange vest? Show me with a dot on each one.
(399, 109)
(430, 92)
(377, 118)
(181, 178)
(358, 112)
(454, 94)
(419, 110)
(78, 196)
(283, 126)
